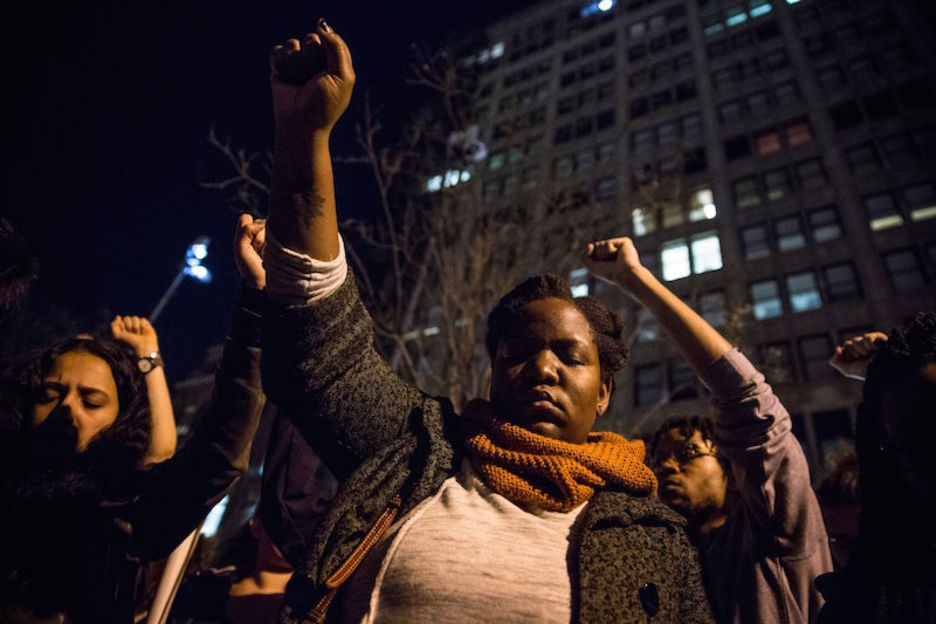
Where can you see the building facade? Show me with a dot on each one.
(773, 161)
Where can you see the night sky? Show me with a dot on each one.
(107, 115)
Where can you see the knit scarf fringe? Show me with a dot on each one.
(532, 470)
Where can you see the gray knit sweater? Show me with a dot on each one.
(629, 558)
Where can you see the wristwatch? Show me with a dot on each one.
(147, 363)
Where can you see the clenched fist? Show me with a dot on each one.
(613, 260)
(137, 332)
(249, 242)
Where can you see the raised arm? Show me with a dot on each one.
(616, 261)
(752, 427)
(312, 81)
(140, 335)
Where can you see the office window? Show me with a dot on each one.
(563, 166)
(882, 212)
(824, 224)
(880, 105)
(789, 234)
(767, 142)
(706, 252)
(777, 362)
(920, 199)
(674, 256)
(786, 93)
(798, 133)
(862, 69)
(758, 103)
(846, 115)
(651, 260)
(643, 141)
(672, 213)
(722, 78)
(648, 385)
(862, 159)
(643, 221)
(712, 307)
(578, 280)
(702, 205)
(604, 119)
(755, 242)
(841, 282)
(646, 329)
(903, 268)
(746, 192)
(682, 381)
(585, 160)
(496, 161)
(815, 352)
(777, 184)
(831, 77)
(691, 127)
(899, 149)
(803, 291)
(606, 188)
(637, 30)
(765, 297)
(811, 174)
(667, 133)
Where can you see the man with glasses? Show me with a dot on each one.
(740, 480)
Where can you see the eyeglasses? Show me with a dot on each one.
(683, 456)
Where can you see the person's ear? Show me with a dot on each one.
(604, 396)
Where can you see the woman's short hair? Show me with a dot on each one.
(606, 327)
(127, 440)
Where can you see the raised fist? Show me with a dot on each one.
(137, 332)
(312, 82)
(853, 356)
(249, 241)
(612, 260)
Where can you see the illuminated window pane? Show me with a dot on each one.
(798, 133)
(882, 212)
(735, 15)
(803, 291)
(825, 225)
(578, 279)
(921, 200)
(760, 7)
(706, 252)
(789, 233)
(702, 205)
(755, 242)
(496, 162)
(643, 221)
(767, 143)
(765, 297)
(675, 258)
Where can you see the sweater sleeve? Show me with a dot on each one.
(182, 490)
(321, 368)
(754, 431)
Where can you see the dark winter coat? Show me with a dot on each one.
(630, 559)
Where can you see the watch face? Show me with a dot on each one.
(145, 364)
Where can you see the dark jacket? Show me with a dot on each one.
(86, 564)
(630, 559)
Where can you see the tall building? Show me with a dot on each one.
(773, 160)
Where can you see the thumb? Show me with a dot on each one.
(337, 55)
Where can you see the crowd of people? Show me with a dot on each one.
(386, 504)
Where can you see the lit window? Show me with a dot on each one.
(497, 50)
(765, 297)
(702, 205)
(767, 143)
(712, 308)
(496, 162)
(755, 242)
(921, 200)
(777, 362)
(675, 258)
(803, 291)
(746, 192)
(825, 225)
(760, 7)
(882, 212)
(451, 178)
(777, 183)
(578, 279)
(643, 221)
(904, 271)
(706, 252)
(798, 132)
(789, 234)
(735, 15)
(842, 282)
(713, 25)
(647, 330)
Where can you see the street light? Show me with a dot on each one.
(192, 267)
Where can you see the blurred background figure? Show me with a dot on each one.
(840, 503)
(890, 576)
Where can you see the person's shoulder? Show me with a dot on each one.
(614, 504)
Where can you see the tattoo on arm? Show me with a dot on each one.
(308, 206)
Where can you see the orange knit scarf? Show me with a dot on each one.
(530, 469)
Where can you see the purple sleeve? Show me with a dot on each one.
(754, 431)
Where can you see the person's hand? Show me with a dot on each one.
(137, 332)
(614, 260)
(312, 82)
(249, 241)
(852, 357)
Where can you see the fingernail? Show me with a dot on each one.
(323, 25)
